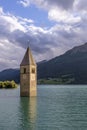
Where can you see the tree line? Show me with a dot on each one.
(8, 84)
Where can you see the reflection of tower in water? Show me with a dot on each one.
(28, 113)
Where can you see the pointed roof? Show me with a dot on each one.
(28, 58)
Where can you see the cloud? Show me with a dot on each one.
(60, 10)
(10, 54)
(63, 16)
(24, 3)
(60, 3)
(49, 4)
(80, 5)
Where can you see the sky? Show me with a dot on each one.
(49, 27)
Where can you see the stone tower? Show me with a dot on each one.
(28, 75)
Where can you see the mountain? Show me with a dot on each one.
(72, 64)
(10, 74)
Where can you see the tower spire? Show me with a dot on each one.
(28, 58)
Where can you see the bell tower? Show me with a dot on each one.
(28, 75)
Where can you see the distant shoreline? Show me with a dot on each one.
(55, 81)
(58, 81)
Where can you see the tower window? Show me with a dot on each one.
(33, 70)
(24, 70)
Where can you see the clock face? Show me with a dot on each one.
(33, 77)
(24, 76)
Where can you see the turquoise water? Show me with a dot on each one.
(55, 108)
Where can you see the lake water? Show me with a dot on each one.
(56, 107)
